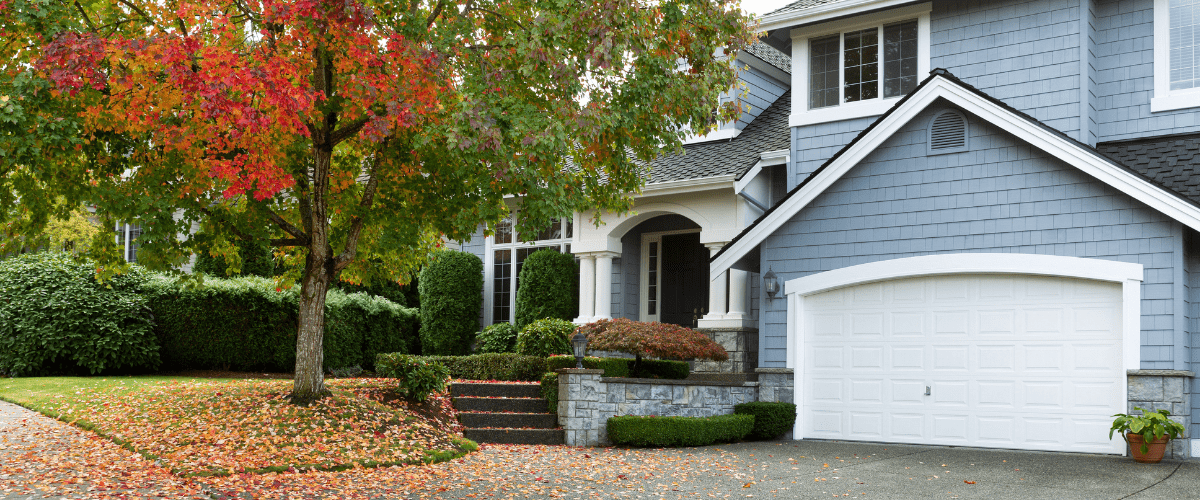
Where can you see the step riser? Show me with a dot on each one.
(509, 420)
(496, 390)
(516, 436)
(501, 405)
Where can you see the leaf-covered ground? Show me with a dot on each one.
(205, 427)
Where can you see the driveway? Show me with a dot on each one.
(44, 458)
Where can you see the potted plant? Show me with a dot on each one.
(1147, 434)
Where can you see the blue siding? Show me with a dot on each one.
(1192, 287)
(1125, 61)
(814, 144)
(1026, 54)
(760, 91)
(1001, 196)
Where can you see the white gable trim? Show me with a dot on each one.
(832, 10)
(939, 87)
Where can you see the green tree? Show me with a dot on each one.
(351, 134)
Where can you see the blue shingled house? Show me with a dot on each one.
(955, 222)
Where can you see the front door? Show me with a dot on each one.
(684, 289)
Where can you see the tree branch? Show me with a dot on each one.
(356, 223)
(348, 130)
(285, 225)
(86, 19)
(437, 11)
(290, 242)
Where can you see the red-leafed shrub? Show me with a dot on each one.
(651, 339)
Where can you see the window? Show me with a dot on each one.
(1176, 55)
(509, 252)
(127, 240)
(858, 67)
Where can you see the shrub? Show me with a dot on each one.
(661, 368)
(545, 337)
(419, 377)
(771, 420)
(494, 366)
(257, 260)
(548, 282)
(245, 323)
(550, 390)
(613, 367)
(382, 288)
(500, 337)
(56, 318)
(678, 431)
(451, 287)
(652, 339)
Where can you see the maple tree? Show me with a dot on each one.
(651, 338)
(351, 135)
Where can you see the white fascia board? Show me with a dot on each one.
(687, 185)
(817, 14)
(1053, 144)
(722, 134)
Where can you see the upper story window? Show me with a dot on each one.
(858, 67)
(1176, 55)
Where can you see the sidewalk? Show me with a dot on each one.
(43, 458)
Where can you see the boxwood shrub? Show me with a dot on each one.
(493, 366)
(245, 323)
(771, 420)
(419, 377)
(545, 337)
(548, 287)
(663, 432)
(55, 318)
(662, 368)
(451, 288)
(500, 337)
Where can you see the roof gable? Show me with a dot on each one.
(943, 85)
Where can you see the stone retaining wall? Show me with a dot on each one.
(587, 399)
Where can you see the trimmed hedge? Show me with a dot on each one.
(418, 376)
(500, 337)
(771, 420)
(663, 432)
(550, 391)
(451, 287)
(257, 260)
(661, 368)
(545, 337)
(383, 288)
(548, 282)
(56, 318)
(493, 366)
(245, 323)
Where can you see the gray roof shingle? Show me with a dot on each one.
(768, 132)
(1172, 162)
(771, 55)
(801, 5)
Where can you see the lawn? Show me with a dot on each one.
(223, 426)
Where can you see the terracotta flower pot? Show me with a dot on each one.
(1155, 452)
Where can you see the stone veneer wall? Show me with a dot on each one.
(740, 343)
(586, 399)
(1164, 390)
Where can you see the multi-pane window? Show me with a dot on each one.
(847, 67)
(509, 252)
(1185, 44)
(652, 279)
(127, 240)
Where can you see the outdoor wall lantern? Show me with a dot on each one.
(771, 284)
(579, 343)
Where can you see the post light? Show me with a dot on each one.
(579, 343)
(771, 284)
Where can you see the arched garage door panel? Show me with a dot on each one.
(1005, 361)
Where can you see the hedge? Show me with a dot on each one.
(387, 289)
(661, 368)
(613, 367)
(771, 420)
(550, 391)
(55, 318)
(662, 432)
(451, 288)
(548, 287)
(493, 366)
(257, 260)
(246, 323)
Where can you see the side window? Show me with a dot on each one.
(1176, 55)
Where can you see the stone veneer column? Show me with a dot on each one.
(1165, 390)
(777, 385)
(604, 262)
(587, 289)
(580, 394)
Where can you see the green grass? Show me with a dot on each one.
(43, 393)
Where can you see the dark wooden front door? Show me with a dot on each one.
(684, 279)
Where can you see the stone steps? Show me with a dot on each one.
(505, 413)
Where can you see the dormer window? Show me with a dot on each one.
(860, 66)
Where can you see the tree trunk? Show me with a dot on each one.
(309, 383)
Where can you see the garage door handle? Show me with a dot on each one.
(927, 390)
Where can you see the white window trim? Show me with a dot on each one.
(1164, 99)
(489, 260)
(1128, 275)
(644, 276)
(801, 115)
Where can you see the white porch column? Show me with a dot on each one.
(716, 289)
(738, 281)
(587, 288)
(604, 261)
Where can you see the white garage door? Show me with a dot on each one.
(1000, 361)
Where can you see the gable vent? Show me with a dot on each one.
(948, 133)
